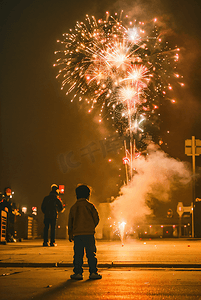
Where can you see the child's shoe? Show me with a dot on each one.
(95, 276)
(76, 276)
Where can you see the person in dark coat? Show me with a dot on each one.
(7, 205)
(83, 219)
(51, 205)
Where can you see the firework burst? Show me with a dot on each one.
(123, 68)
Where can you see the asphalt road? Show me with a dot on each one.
(117, 283)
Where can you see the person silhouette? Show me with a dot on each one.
(83, 219)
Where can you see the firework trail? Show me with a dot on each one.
(121, 231)
(123, 67)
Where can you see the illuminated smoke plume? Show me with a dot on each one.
(157, 175)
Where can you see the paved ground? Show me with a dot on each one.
(125, 283)
(141, 269)
(134, 252)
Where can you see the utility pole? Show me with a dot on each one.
(193, 148)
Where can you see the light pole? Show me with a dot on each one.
(193, 148)
(180, 210)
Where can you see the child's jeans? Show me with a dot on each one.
(87, 242)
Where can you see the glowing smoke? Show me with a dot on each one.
(157, 175)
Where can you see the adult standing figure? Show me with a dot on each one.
(51, 205)
(10, 208)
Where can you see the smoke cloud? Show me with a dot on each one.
(157, 175)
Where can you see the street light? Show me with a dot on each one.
(24, 209)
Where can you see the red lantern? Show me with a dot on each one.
(61, 189)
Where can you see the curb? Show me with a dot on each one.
(105, 265)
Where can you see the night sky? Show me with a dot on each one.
(39, 124)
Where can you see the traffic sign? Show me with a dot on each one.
(193, 147)
(180, 208)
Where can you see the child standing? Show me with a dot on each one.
(83, 219)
